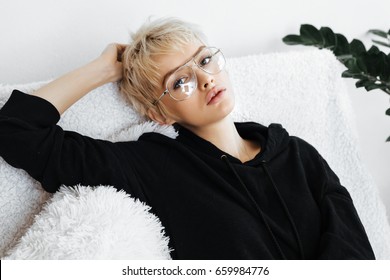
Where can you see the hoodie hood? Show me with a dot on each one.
(273, 140)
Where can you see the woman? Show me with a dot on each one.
(222, 189)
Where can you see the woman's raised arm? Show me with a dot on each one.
(69, 88)
(30, 138)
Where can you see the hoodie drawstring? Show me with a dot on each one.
(260, 212)
(285, 210)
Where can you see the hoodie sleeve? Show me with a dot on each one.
(31, 140)
(343, 235)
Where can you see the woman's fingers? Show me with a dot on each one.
(120, 48)
(110, 60)
(114, 50)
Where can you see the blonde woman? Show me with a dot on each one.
(222, 189)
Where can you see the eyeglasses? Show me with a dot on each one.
(182, 83)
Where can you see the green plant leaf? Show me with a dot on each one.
(375, 63)
(378, 32)
(311, 35)
(372, 64)
(362, 83)
(342, 46)
(381, 43)
(353, 70)
(351, 65)
(357, 47)
(329, 37)
(388, 139)
(361, 64)
(349, 74)
(385, 75)
(374, 86)
(292, 40)
(388, 112)
(373, 50)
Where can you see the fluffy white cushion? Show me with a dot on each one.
(93, 223)
(302, 90)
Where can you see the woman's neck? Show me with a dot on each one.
(224, 135)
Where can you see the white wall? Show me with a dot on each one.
(42, 39)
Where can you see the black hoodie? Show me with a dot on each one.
(285, 203)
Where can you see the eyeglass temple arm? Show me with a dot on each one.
(156, 101)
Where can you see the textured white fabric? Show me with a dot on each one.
(302, 90)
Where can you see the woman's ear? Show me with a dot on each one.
(157, 117)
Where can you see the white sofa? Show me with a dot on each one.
(302, 90)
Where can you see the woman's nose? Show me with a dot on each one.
(205, 80)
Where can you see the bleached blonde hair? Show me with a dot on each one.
(141, 79)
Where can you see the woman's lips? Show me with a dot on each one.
(215, 94)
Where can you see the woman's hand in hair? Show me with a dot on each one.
(111, 63)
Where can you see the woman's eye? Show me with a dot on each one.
(205, 60)
(177, 84)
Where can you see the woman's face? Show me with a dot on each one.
(195, 111)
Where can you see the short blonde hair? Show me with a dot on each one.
(141, 78)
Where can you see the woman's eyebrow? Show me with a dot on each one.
(173, 70)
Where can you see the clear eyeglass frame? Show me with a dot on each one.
(193, 60)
